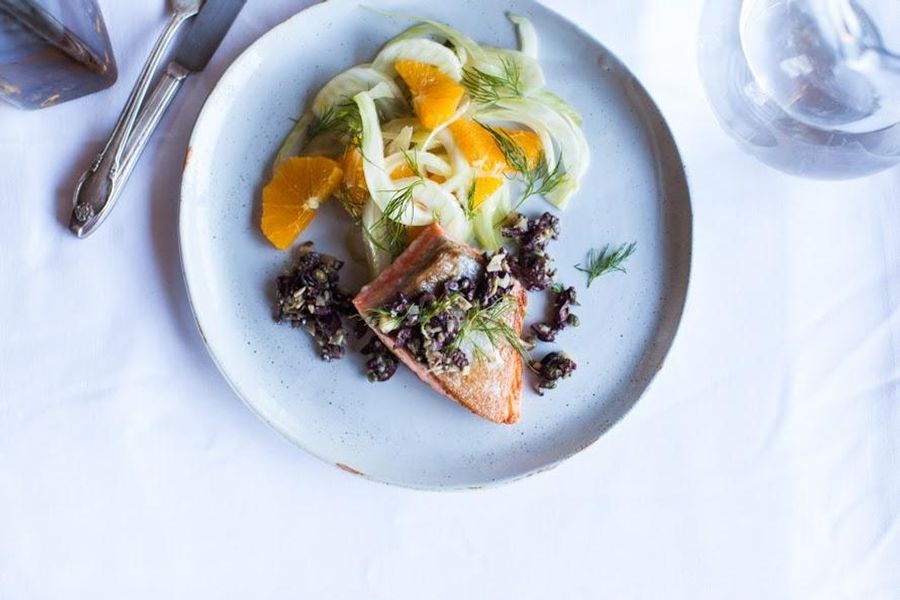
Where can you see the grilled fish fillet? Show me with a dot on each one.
(490, 388)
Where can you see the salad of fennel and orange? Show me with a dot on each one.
(437, 128)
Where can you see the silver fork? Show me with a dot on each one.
(98, 189)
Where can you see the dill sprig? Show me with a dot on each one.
(469, 208)
(539, 178)
(493, 324)
(412, 161)
(542, 180)
(601, 262)
(389, 221)
(400, 202)
(394, 237)
(342, 118)
(487, 88)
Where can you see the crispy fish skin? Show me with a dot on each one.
(491, 389)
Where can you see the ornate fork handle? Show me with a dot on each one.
(100, 186)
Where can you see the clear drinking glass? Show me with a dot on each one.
(52, 51)
(811, 87)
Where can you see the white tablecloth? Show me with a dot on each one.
(764, 463)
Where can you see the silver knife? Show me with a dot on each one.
(195, 51)
(97, 188)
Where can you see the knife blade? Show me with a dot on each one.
(194, 52)
(206, 33)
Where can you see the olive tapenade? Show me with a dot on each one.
(553, 368)
(563, 300)
(532, 264)
(309, 295)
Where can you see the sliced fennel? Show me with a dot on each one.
(347, 85)
(490, 216)
(419, 162)
(502, 74)
(413, 201)
(367, 106)
(462, 176)
(466, 47)
(377, 238)
(385, 193)
(296, 139)
(445, 211)
(402, 141)
(459, 114)
(568, 138)
(418, 50)
(528, 39)
(340, 91)
(560, 106)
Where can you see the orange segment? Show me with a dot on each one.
(355, 191)
(529, 142)
(405, 170)
(402, 172)
(292, 198)
(353, 167)
(484, 188)
(478, 146)
(482, 151)
(435, 96)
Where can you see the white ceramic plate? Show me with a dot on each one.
(401, 432)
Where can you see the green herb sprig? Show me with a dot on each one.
(487, 88)
(493, 323)
(539, 178)
(469, 208)
(412, 161)
(601, 262)
(389, 222)
(342, 118)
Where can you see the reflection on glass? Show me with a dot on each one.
(52, 51)
(811, 87)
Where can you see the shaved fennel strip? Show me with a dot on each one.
(375, 239)
(295, 141)
(528, 39)
(383, 190)
(422, 51)
(568, 137)
(345, 86)
(460, 113)
(425, 161)
(472, 50)
(490, 217)
(430, 201)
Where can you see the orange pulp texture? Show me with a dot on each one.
(435, 96)
(485, 187)
(481, 149)
(292, 198)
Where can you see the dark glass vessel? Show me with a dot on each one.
(52, 51)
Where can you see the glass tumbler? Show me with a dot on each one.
(811, 87)
(52, 51)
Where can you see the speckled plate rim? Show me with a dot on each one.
(673, 327)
